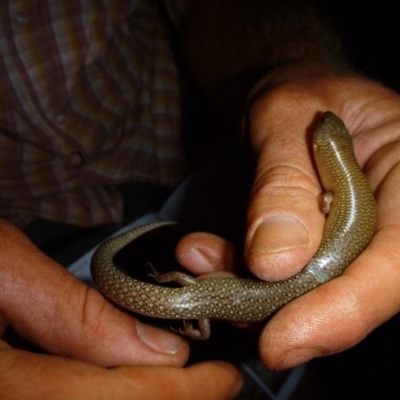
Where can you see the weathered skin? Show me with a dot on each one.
(350, 225)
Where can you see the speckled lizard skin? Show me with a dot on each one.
(350, 225)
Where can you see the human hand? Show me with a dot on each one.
(285, 223)
(96, 350)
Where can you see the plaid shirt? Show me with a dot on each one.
(89, 100)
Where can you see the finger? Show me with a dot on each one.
(204, 252)
(47, 305)
(284, 219)
(31, 376)
(340, 313)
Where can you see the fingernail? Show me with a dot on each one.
(278, 233)
(197, 262)
(159, 340)
(300, 356)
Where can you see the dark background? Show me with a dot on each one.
(370, 31)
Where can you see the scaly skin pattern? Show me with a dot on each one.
(350, 225)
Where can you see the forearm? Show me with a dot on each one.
(229, 45)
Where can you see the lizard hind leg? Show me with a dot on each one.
(202, 333)
(204, 330)
(174, 276)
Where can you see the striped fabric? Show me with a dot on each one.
(89, 100)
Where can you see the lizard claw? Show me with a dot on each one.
(154, 274)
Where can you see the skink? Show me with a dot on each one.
(349, 227)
